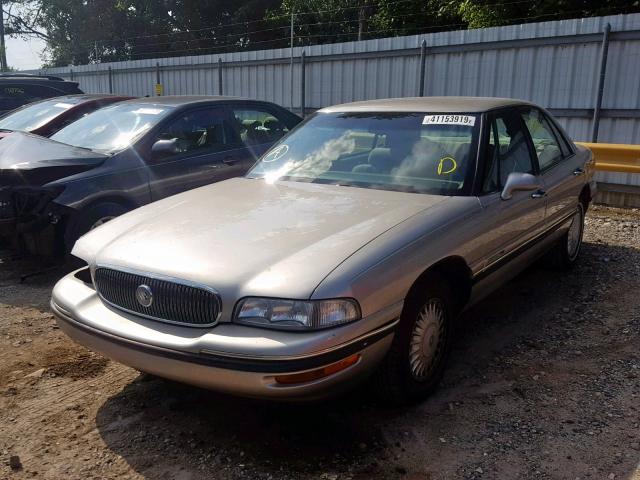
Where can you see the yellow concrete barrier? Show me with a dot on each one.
(613, 157)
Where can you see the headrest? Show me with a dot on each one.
(272, 123)
(380, 158)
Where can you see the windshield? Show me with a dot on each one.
(112, 128)
(36, 115)
(412, 152)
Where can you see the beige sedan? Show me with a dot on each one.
(344, 253)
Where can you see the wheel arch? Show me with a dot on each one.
(73, 219)
(585, 197)
(455, 271)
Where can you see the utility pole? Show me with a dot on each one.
(3, 50)
(291, 65)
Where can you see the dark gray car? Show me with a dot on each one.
(123, 156)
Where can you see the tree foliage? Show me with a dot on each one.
(91, 31)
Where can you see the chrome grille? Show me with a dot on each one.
(172, 301)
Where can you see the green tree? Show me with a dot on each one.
(86, 31)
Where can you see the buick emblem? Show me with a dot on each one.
(144, 295)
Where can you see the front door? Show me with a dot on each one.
(512, 223)
(207, 150)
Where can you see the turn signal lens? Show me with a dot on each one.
(323, 372)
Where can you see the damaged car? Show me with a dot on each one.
(123, 156)
(347, 251)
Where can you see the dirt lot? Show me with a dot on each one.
(544, 383)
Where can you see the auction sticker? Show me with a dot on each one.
(464, 120)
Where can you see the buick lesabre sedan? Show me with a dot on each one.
(123, 156)
(346, 251)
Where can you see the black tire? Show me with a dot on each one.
(564, 255)
(88, 219)
(396, 381)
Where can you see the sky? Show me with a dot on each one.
(24, 54)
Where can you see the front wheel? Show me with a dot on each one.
(415, 363)
(91, 218)
(565, 254)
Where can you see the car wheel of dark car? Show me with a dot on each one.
(565, 254)
(415, 363)
(93, 217)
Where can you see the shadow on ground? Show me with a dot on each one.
(165, 430)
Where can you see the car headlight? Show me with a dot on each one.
(296, 314)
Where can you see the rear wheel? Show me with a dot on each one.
(415, 363)
(565, 254)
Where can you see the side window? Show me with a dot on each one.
(564, 144)
(544, 139)
(258, 126)
(199, 131)
(507, 151)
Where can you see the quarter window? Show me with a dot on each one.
(258, 126)
(544, 139)
(200, 130)
(507, 151)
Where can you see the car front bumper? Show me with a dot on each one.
(234, 359)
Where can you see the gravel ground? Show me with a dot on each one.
(544, 383)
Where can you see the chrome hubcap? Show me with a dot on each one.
(574, 236)
(427, 340)
(102, 221)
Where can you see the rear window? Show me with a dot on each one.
(14, 95)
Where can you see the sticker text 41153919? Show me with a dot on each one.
(465, 120)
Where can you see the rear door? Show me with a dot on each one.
(559, 166)
(208, 151)
(510, 224)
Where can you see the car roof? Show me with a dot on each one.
(427, 104)
(180, 100)
(85, 97)
(29, 76)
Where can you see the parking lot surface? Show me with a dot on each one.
(544, 382)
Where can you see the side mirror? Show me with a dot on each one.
(518, 181)
(165, 148)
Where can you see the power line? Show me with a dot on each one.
(123, 42)
(217, 47)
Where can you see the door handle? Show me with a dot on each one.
(229, 160)
(578, 171)
(539, 194)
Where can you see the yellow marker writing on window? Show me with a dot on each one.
(441, 166)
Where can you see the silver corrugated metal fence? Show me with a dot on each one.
(555, 64)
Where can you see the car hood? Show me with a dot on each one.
(247, 237)
(27, 159)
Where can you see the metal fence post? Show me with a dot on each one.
(219, 76)
(158, 88)
(110, 81)
(603, 70)
(71, 73)
(423, 63)
(302, 84)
